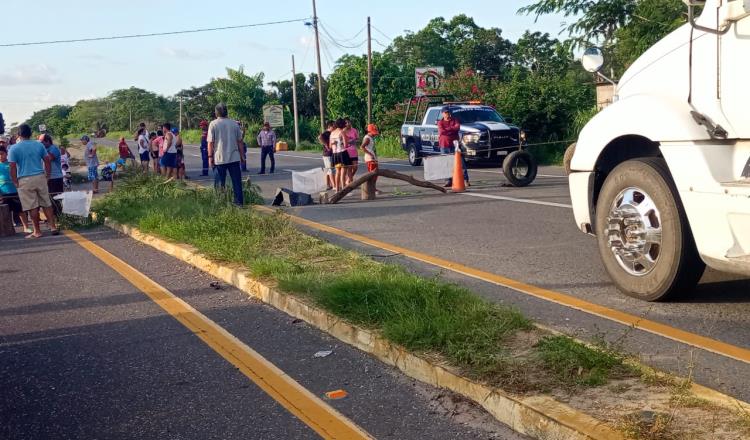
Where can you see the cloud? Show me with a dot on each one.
(307, 41)
(28, 74)
(262, 47)
(184, 54)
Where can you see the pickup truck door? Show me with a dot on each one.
(430, 143)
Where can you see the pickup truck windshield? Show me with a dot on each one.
(467, 116)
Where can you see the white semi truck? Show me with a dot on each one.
(662, 176)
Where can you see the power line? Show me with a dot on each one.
(381, 44)
(333, 41)
(155, 34)
(381, 33)
(348, 39)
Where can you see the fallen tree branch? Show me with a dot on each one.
(383, 173)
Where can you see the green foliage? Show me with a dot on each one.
(390, 147)
(55, 118)
(308, 104)
(576, 364)
(347, 87)
(623, 28)
(198, 104)
(243, 94)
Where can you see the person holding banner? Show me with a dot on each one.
(448, 129)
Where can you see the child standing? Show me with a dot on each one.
(368, 147)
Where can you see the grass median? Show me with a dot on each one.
(424, 315)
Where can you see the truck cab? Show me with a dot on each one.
(485, 135)
(662, 176)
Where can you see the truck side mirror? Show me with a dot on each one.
(592, 59)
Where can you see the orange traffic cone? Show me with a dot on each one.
(458, 173)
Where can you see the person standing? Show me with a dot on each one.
(9, 193)
(204, 146)
(29, 169)
(448, 129)
(92, 162)
(352, 138)
(325, 140)
(169, 160)
(180, 162)
(143, 147)
(340, 156)
(243, 165)
(156, 140)
(225, 151)
(55, 182)
(267, 141)
(124, 150)
(368, 148)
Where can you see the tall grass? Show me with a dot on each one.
(422, 314)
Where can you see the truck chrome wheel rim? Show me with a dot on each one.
(412, 155)
(634, 230)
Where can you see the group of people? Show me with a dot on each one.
(162, 149)
(30, 172)
(341, 147)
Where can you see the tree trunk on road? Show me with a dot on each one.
(6, 221)
(383, 173)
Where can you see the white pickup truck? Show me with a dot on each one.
(662, 176)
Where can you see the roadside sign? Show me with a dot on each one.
(274, 115)
(428, 80)
(42, 128)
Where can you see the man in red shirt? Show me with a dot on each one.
(448, 129)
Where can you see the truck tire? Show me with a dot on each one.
(568, 157)
(414, 159)
(643, 234)
(520, 168)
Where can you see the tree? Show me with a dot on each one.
(307, 94)
(198, 103)
(623, 28)
(347, 87)
(89, 115)
(456, 44)
(243, 94)
(55, 118)
(138, 105)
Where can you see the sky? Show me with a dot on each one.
(36, 77)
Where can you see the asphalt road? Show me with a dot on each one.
(528, 234)
(85, 354)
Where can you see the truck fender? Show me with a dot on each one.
(655, 118)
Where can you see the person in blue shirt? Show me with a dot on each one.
(29, 169)
(8, 191)
(55, 182)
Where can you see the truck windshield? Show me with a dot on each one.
(467, 116)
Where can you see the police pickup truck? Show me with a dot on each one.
(484, 137)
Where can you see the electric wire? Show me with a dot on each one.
(346, 39)
(381, 32)
(334, 42)
(154, 34)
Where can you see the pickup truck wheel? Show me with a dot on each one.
(643, 234)
(520, 168)
(414, 159)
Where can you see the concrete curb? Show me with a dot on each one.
(540, 417)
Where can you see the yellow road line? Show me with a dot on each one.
(685, 337)
(307, 407)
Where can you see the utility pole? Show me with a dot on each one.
(320, 72)
(180, 123)
(294, 105)
(369, 73)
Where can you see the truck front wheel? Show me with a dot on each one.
(643, 234)
(414, 159)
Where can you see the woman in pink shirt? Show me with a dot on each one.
(352, 137)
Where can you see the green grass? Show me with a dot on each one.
(107, 154)
(191, 136)
(574, 363)
(116, 135)
(422, 314)
(390, 147)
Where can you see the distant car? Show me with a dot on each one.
(485, 136)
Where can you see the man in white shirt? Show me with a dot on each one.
(225, 153)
